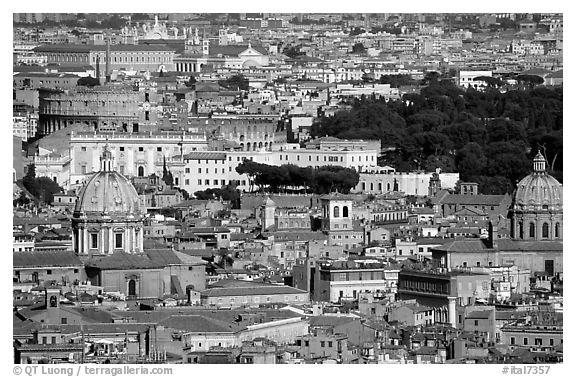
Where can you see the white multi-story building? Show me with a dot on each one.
(380, 181)
(355, 159)
(468, 79)
(55, 167)
(135, 154)
(24, 125)
(341, 281)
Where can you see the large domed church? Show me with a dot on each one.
(108, 236)
(537, 206)
(535, 242)
(108, 216)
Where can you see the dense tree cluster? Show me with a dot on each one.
(291, 177)
(228, 193)
(489, 137)
(88, 81)
(42, 188)
(397, 81)
(358, 48)
(236, 82)
(293, 51)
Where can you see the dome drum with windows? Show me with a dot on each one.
(537, 209)
(108, 217)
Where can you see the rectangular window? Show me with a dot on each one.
(159, 149)
(207, 182)
(83, 149)
(199, 182)
(93, 240)
(118, 241)
(525, 341)
(140, 149)
(512, 340)
(121, 149)
(537, 341)
(187, 170)
(322, 343)
(186, 181)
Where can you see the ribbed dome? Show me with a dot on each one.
(539, 190)
(108, 192)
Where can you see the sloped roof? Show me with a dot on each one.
(163, 256)
(479, 314)
(205, 156)
(470, 212)
(330, 320)
(124, 261)
(197, 323)
(45, 259)
(252, 289)
(476, 245)
(490, 200)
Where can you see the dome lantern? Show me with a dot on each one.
(539, 163)
(106, 159)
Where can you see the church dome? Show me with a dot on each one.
(539, 190)
(108, 192)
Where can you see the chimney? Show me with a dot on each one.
(492, 235)
(108, 60)
(98, 68)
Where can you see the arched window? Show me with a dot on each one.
(532, 230)
(545, 230)
(345, 211)
(140, 171)
(132, 287)
(336, 211)
(557, 230)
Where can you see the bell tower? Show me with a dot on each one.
(52, 301)
(336, 212)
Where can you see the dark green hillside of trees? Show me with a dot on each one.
(489, 137)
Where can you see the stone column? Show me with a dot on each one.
(85, 240)
(111, 244)
(127, 239)
(133, 240)
(452, 311)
